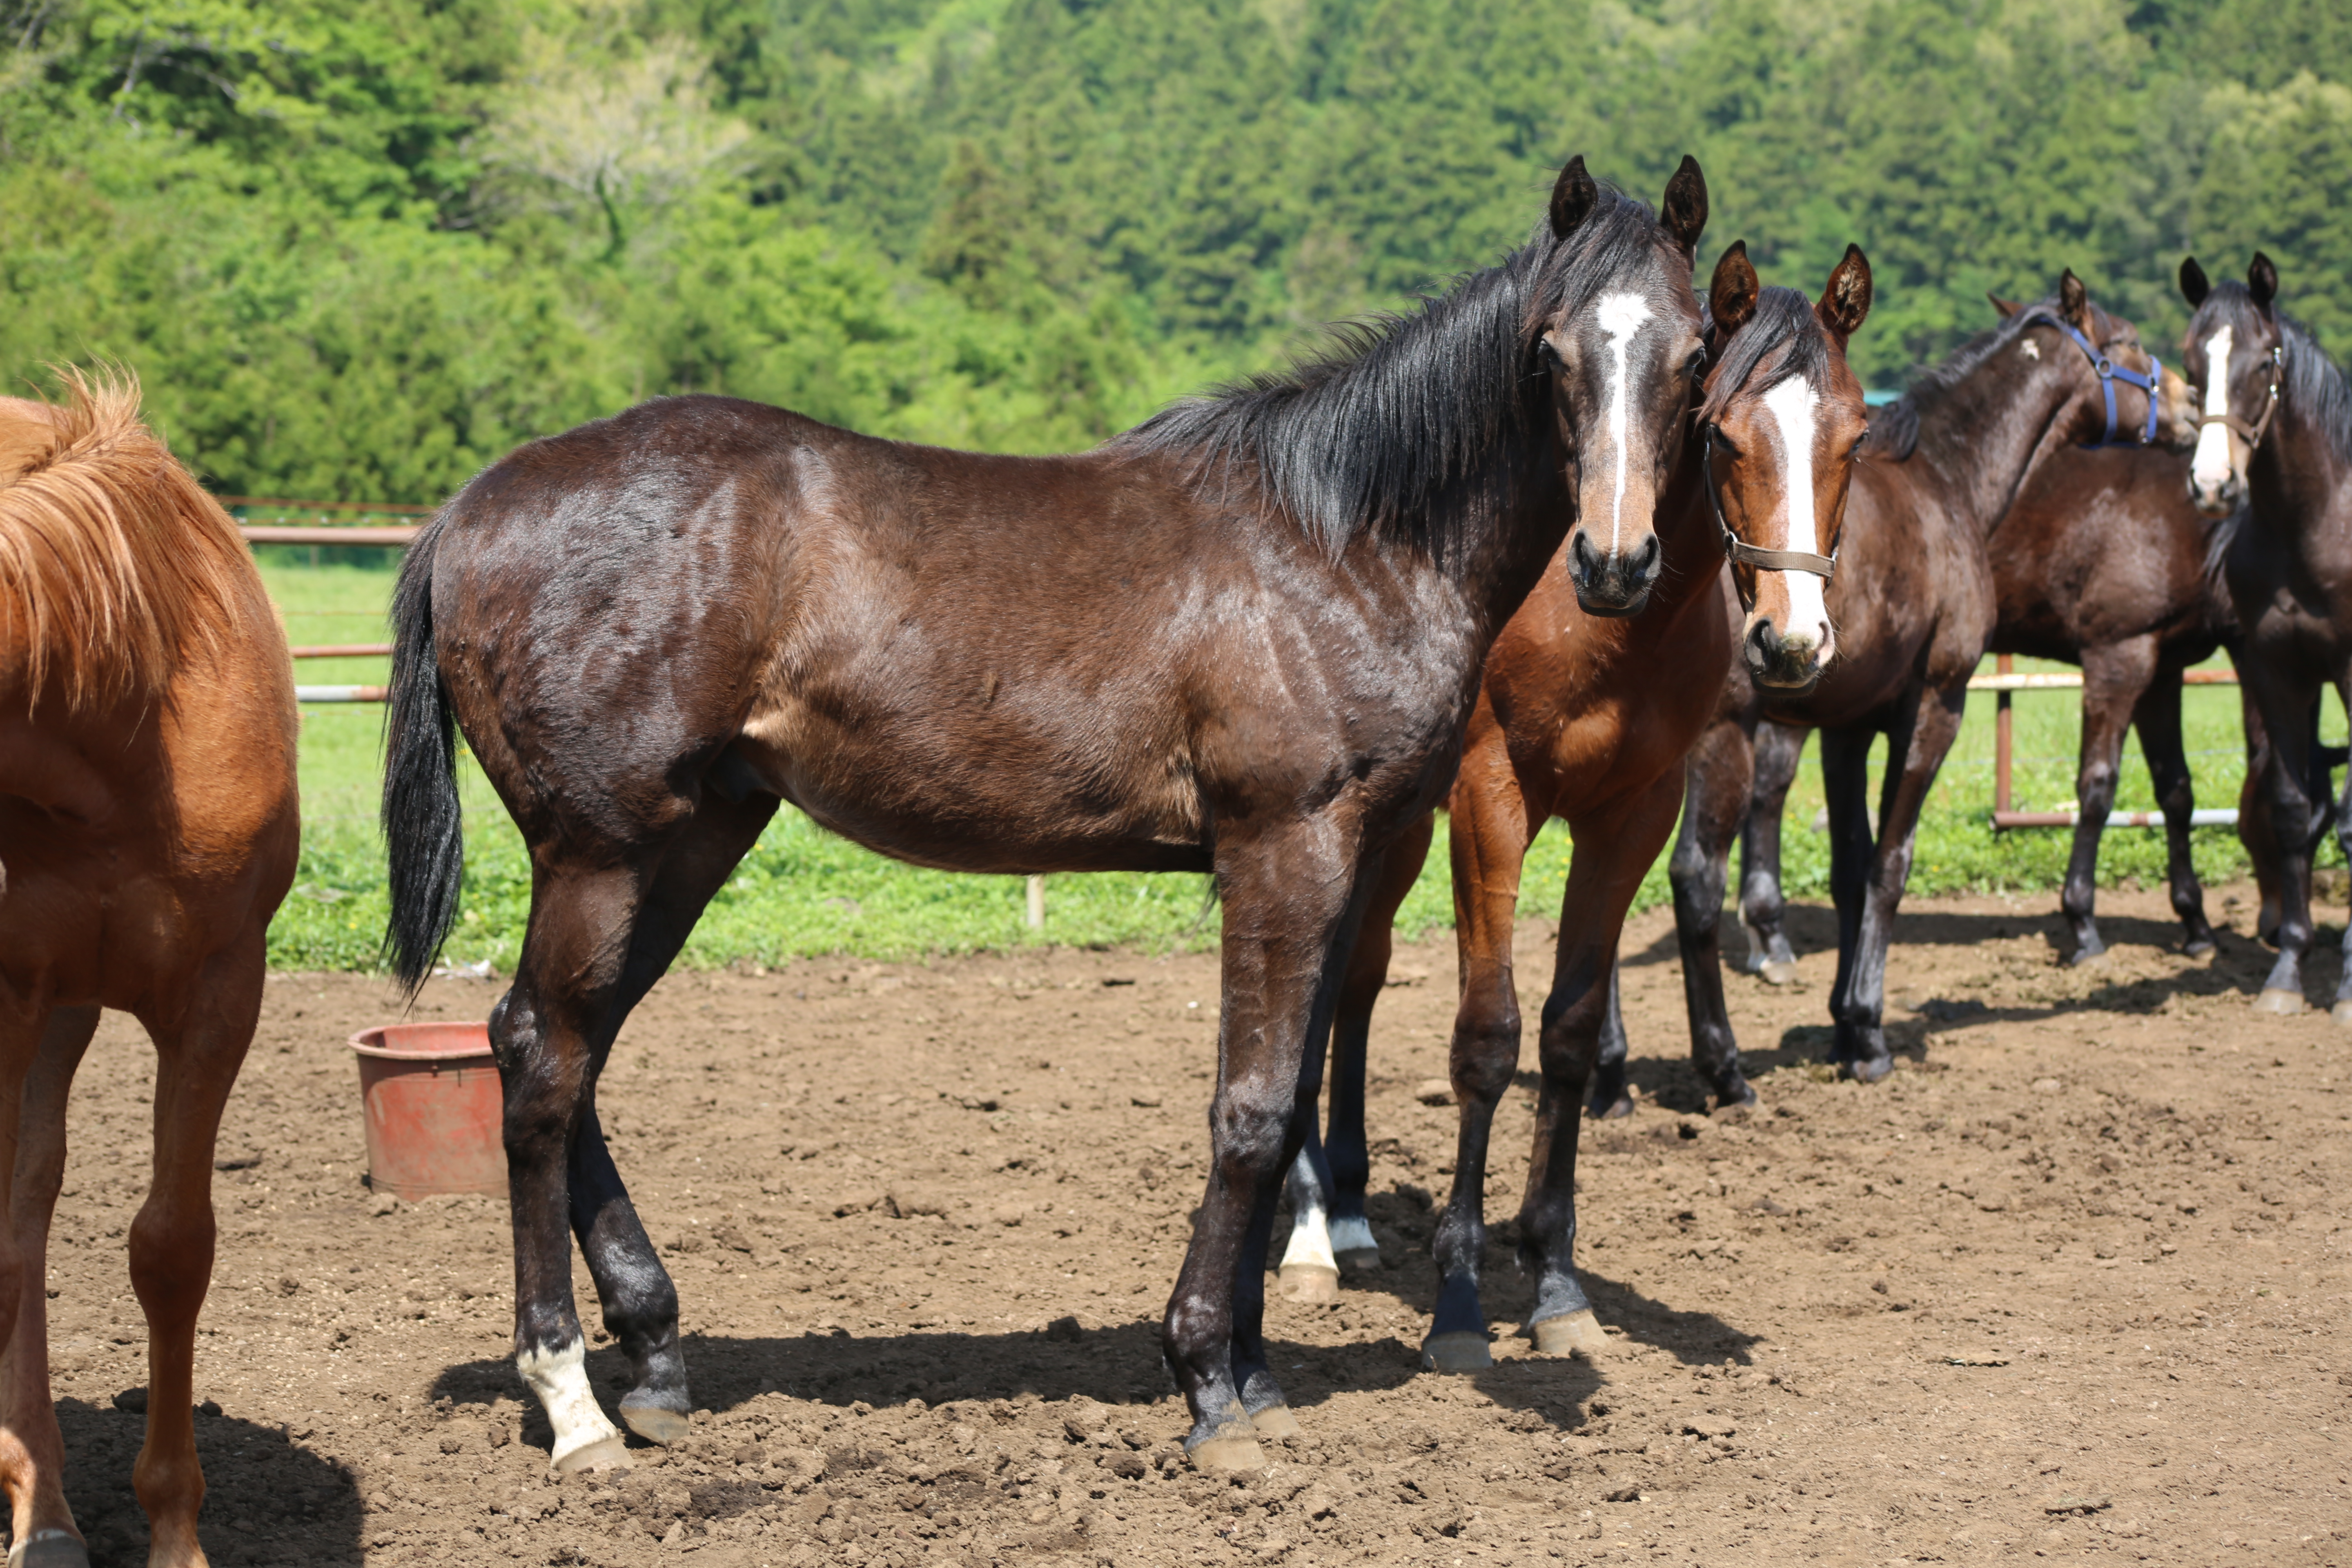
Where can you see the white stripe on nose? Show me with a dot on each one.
(2211, 467)
(1620, 316)
(1791, 405)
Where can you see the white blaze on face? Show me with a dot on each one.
(1620, 316)
(1791, 405)
(560, 1381)
(2211, 467)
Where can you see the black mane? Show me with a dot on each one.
(1895, 429)
(1784, 334)
(1401, 424)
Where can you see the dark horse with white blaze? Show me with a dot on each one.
(2274, 456)
(1589, 720)
(1243, 638)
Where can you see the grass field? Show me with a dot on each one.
(804, 891)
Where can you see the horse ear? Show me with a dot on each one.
(1846, 301)
(2262, 281)
(2074, 300)
(2194, 284)
(1684, 212)
(2007, 308)
(1573, 196)
(1732, 297)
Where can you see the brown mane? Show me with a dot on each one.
(112, 560)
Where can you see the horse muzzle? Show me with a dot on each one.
(1791, 662)
(1616, 583)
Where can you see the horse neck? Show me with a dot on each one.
(1983, 440)
(1496, 567)
(2302, 486)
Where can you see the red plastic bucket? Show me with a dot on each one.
(431, 1096)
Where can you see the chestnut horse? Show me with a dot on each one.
(2102, 563)
(2274, 456)
(1588, 718)
(1914, 601)
(147, 832)
(1243, 638)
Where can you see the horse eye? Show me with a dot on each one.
(1549, 352)
(1698, 365)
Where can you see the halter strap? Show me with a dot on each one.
(2110, 372)
(2252, 434)
(1738, 551)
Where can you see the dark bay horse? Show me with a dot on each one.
(2101, 562)
(1588, 718)
(1243, 638)
(2274, 456)
(1915, 604)
(148, 830)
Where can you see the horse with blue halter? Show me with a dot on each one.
(1243, 638)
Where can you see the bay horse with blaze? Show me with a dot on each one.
(148, 831)
(1914, 602)
(1243, 638)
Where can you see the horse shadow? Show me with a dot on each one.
(267, 1500)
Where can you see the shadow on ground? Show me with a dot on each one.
(267, 1500)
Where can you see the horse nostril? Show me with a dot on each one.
(1583, 562)
(1647, 563)
(1764, 644)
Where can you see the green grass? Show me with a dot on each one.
(803, 891)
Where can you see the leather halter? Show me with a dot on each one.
(1738, 551)
(2252, 434)
(2110, 372)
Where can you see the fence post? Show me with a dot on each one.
(2002, 663)
(1036, 903)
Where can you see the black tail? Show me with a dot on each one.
(422, 827)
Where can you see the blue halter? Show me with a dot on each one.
(2109, 374)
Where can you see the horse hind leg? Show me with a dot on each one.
(198, 1053)
(556, 1033)
(32, 1451)
(2158, 718)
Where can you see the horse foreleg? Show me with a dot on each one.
(1329, 1233)
(1604, 871)
(1845, 784)
(32, 1451)
(2285, 784)
(1763, 908)
(1915, 746)
(1291, 896)
(2255, 829)
(1491, 828)
(2114, 678)
(2158, 718)
(1715, 798)
(198, 1052)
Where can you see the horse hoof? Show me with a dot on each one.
(1308, 1283)
(2083, 957)
(1360, 1261)
(1866, 1069)
(1621, 1106)
(2276, 999)
(2341, 1012)
(1275, 1421)
(2200, 947)
(604, 1453)
(1777, 971)
(1461, 1350)
(49, 1549)
(654, 1423)
(1233, 1448)
(1570, 1333)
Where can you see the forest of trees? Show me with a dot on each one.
(357, 250)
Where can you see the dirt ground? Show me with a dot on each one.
(2070, 1285)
